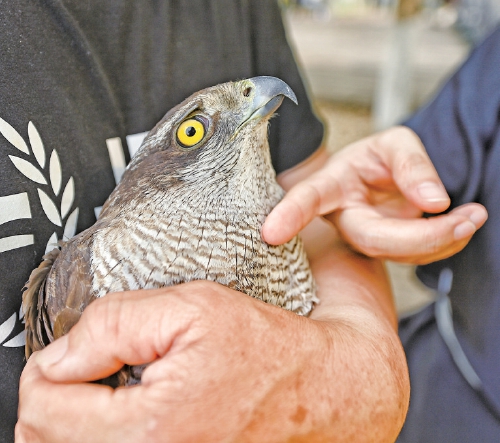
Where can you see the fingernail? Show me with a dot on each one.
(53, 353)
(477, 218)
(432, 192)
(464, 230)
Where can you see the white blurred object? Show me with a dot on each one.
(134, 142)
(320, 8)
(476, 18)
(445, 16)
(394, 89)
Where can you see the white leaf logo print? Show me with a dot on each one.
(49, 208)
(13, 137)
(35, 174)
(7, 327)
(28, 170)
(36, 144)
(70, 228)
(52, 243)
(55, 172)
(68, 197)
(33, 167)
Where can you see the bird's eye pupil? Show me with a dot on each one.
(191, 131)
(247, 91)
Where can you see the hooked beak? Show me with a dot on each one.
(268, 95)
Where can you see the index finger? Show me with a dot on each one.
(318, 194)
(403, 153)
(131, 328)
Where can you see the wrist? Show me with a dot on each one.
(365, 367)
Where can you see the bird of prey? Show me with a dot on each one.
(190, 206)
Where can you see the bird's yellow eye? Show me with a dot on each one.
(190, 132)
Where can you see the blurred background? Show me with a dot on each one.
(370, 63)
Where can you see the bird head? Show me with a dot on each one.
(216, 134)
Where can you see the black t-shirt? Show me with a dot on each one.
(461, 132)
(78, 77)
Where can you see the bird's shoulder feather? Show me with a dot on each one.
(56, 293)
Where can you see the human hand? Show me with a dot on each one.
(375, 191)
(201, 385)
(225, 368)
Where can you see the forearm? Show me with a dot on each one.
(345, 376)
(358, 382)
(363, 380)
(347, 279)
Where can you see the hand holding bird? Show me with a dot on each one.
(225, 367)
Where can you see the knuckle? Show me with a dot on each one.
(304, 202)
(369, 242)
(397, 135)
(102, 318)
(432, 242)
(408, 164)
(197, 298)
(22, 433)
(204, 292)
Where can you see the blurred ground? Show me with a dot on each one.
(342, 56)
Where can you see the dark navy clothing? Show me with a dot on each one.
(78, 77)
(460, 129)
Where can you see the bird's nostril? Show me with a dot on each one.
(247, 91)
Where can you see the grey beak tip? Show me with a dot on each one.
(273, 86)
(293, 97)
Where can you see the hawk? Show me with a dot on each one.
(190, 206)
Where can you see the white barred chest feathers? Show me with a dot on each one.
(173, 244)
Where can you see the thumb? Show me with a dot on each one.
(121, 328)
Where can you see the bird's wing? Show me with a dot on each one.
(56, 294)
(37, 333)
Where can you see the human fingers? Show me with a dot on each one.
(122, 328)
(82, 412)
(416, 241)
(320, 193)
(402, 152)
(394, 156)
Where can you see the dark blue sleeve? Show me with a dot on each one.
(459, 126)
(460, 130)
